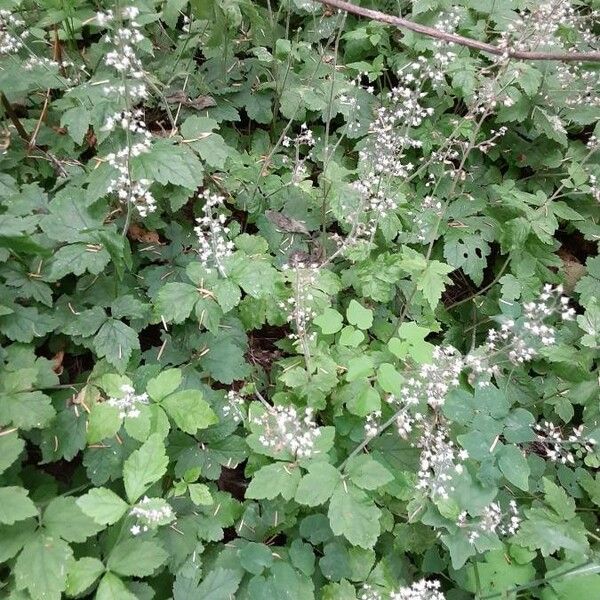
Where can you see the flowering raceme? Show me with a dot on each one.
(212, 232)
(129, 91)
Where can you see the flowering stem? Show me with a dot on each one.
(366, 441)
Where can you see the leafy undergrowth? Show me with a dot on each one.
(295, 305)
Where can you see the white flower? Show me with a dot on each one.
(419, 590)
(128, 403)
(286, 428)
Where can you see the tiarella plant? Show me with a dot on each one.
(299, 299)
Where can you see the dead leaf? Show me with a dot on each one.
(139, 234)
(199, 103)
(285, 223)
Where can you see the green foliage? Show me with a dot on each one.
(247, 284)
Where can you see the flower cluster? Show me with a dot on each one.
(123, 57)
(285, 428)
(150, 513)
(299, 306)
(212, 233)
(235, 406)
(368, 592)
(434, 380)
(563, 449)
(304, 138)
(11, 33)
(384, 156)
(129, 191)
(439, 460)
(128, 404)
(522, 339)
(492, 521)
(420, 590)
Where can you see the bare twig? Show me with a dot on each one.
(459, 39)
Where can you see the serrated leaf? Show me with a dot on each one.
(277, 479)
(15, 505)
(359, 315)
(162, 385)
(136, 557)
(102, 505)
(367, 473)
(514, 466)
(82, 575)
(189, 410)
(316, 487)
(26, 410)
(432, 282)
(144, 467)
(175, 301)
(64, 518)
(115, 341)
(11, 446)
(77, 259)
(354, 515)
(112, 587)
(42, 567)
(329, 322)
(218, 584)
(168, 162)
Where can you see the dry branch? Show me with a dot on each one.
(459, 39)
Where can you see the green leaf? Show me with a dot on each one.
(433, 281)
(212, 148)
(329, 322)
(168, 162)
(351, 337)
(514, 466)
(354, 515)
(389, 379)
(64, 518)
(166, 383)
(200, 494)
(175, 301)
(11, 446)
(277, 479)
(42, 567)
(359, 315)
(218, 584)
(254, 274)
(115, 341)
(539, 531)
(189, 410)
(15, 505)
(556, 497)
(367, 473)
(77, 121)
(359, 367)
(102, 505)
(112, 588)
(77, 259)
(317, 486)
(144, 467)
(27, 410)
(82, 575)
(136, 557)
(103, 422)
(254, 557)
(25, 323)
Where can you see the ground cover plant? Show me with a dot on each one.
(298, 304)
